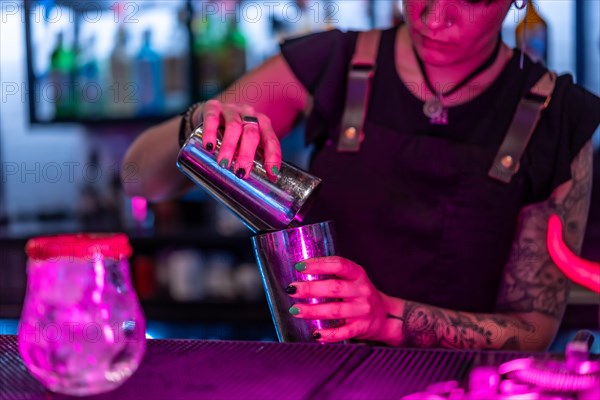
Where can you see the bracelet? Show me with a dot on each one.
(185, 127)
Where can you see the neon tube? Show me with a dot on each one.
(580, 271)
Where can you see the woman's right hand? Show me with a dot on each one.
(240, 140)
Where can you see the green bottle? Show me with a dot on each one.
(62, 68)
(207, 49)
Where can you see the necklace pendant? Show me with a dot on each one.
(442, 119)
(435, 111)
(433, 108)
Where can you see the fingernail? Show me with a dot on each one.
(240, 173)
(275, 170)
(316, 335)
(224, 163)
(301, 266)
(210, 146)
(291, 289)
(294, 310)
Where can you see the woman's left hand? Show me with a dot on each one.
(363, 306)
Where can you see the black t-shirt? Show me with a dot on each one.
(415, 206)
(320, 61)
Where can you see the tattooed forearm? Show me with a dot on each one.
(427, 326)
(575, 205)
(531, 281)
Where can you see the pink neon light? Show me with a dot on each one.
(580, 271)
(514, 365)
(139, 208)
(442, 387)
(588, 367)
(513, 388)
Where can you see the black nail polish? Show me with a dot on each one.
(210, 146)
(290, 289)
(316, 335)
(240, 173)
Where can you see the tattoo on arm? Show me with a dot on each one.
(427, 326)
(531, 281)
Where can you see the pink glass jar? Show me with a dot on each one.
(82, 330)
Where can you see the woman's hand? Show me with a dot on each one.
(363, 307)
(240, 139)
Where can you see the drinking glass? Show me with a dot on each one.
(82, 330)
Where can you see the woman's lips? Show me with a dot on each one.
(432, 43)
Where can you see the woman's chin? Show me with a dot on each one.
(438, 58)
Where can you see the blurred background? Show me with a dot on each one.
(79, 81)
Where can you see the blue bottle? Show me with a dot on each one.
(150, 79)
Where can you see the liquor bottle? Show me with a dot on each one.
(88, 86)
(207, 49)
(62, 64)
(233, 58)
(122, 90)
(533, 38)
(149, 78)
(144, 277)
(176, 67)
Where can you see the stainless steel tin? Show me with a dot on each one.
(262, 204)
(276, 254)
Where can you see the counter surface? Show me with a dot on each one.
(194, 369)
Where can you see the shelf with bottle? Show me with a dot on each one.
(213, 275)
(195, 277)
(116, 61)
(104, 69)
(218, 49)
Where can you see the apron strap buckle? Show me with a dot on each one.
(360, 75)
(507, 161)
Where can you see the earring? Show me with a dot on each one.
(522, 5)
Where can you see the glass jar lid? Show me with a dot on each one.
(79, 246)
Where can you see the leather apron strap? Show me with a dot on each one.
(361, 72)
(507, 161)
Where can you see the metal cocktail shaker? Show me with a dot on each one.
(262, 204)
(276, 254)
(274, 210)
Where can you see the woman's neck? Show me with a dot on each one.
(448, 75)
(456, 72)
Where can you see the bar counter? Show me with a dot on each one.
(198, 369)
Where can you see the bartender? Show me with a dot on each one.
(440, 193)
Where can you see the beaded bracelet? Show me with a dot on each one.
(185, 127)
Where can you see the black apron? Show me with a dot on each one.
(419, 213)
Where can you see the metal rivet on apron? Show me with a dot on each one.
(350, 133)
(506, 161)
